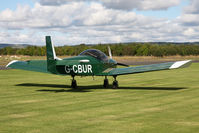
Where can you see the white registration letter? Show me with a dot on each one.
(67, 69)
(75, 68)
(79, 68)
(84, 68)
(90, 68)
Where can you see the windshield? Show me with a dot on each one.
(95, 53)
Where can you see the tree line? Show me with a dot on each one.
(130, 49)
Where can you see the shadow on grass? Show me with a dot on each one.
(88, 88)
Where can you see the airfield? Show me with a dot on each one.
(161, 101)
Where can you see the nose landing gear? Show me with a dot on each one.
(115, 83)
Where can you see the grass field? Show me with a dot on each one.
(154, 102)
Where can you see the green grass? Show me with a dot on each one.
(156, 102)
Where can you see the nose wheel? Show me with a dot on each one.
(73, 83)
(115, 83)
(105, 82)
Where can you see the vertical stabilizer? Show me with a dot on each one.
(50, 49)
(51, 56)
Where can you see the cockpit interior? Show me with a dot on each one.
(95, 53)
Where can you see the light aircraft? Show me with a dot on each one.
(91, 62)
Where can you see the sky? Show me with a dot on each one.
(72, 22)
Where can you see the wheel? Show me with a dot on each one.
(74, 84)
(105, 83)
(115, 84)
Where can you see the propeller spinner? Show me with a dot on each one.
(110, 56)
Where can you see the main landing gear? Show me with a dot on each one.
(73, 83)
(105, 82)
(115, 82)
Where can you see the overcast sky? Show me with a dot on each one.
(98, 21)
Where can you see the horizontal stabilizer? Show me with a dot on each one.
(34, 65)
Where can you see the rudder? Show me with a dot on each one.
(51, 56)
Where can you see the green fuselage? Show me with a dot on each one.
(83, 66)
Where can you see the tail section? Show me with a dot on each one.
(51, 56)
(50, 50)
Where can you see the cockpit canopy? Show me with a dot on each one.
(95, 53)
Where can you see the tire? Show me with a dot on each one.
(115, 84)
(74, 84)
(106, 83)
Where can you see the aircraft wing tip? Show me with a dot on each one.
(181, 64)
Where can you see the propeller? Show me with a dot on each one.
(121, 64)
(110, 56)
(109, 52)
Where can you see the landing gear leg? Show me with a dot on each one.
(73, 83)
(115, 83)
(105, 82)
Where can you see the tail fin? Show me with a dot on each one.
(51, 56)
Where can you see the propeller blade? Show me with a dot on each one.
(109, 52)
(121, 64)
